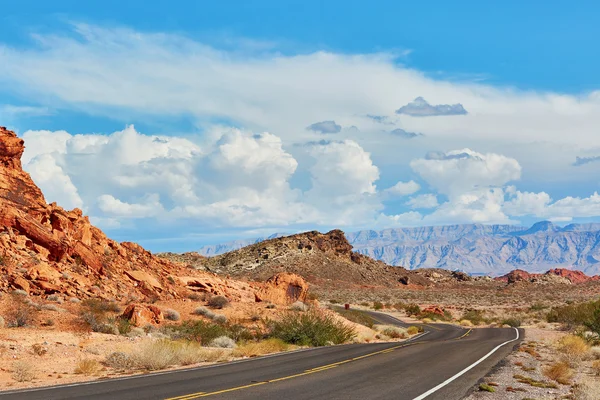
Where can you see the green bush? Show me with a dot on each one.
(198, 331)
(311, 329)
(412, 309)
(100, 306)
(573, 315)
(377, 305)
(218, 302)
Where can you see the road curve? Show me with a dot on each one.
(442, 363)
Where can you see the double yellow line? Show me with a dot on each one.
(322, 368)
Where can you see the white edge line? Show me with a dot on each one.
(464, 371)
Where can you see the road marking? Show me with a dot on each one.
(307, 372)
(465, 335)
(464, 371)
(185, 396)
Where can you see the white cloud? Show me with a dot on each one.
(423, 201)
(404, 188)
(459, 171)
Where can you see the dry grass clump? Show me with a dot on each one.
(224, 342)
(393, 332)
(22, 371)
(559, 372)
(87, 366)
(119, 361)
(465, 322)
(534, 383)
(412, 330)
(573, 348)
(161, 354)
(20, 313)
(254, 349)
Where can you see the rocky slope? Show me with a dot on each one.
(485, 249)
(45, 249)
(320, 258)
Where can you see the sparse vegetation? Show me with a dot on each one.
(119, 361)
(171, 315)
(486, 388)
(356, 317)
(22, 371)
(559, 372)
(87, 366)
(377, 305)
(19, 314)
(573, 348)
(254, 349)
(412, 309)
(218, 302)
(534, 383)
(413, 330)
(312, 328)
(164, 353)
(512, 322)
(223, 342)
(474, 316)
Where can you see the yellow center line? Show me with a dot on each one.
(465, 335)
(186, 396)
(307, 372)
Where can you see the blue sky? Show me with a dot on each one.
(203, 81)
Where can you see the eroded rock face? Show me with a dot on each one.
(45, 249)
(283, 288)
(557, 275)
(142, 315)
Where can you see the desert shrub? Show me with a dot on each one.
(394, 332)
(55, 298)
(512, 322)
(20, 292)
(357, 317)
(465, 322)
(224, 342)
(95, 313)
(334, 301)
(538, 306)
(219, 319)
(87, 366)
(298, 306)
(311, 329)
(475, 316)
(201, 311)
(413, 330)
(218, 302)
(19, 314)
(573, 348)
(119, 361)
(377, 305)
(171, 315)
(48, 322)
(134, 332)
(198, 331)
(161, 354)
(123, 326)
(573, 315)
(254, 349)
(559, 372)
(49, 307)
(22, 371)
(74, 300)
(412, 309)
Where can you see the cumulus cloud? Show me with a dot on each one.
(404, 188)
(423, 201)
(419, 107)
(382, 119)
(460, 171)
(325, 127)
(405, 134)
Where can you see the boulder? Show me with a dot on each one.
(283, 288)
(142, 315)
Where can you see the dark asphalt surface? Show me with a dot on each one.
(403, 370)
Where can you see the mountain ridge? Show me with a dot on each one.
(480, 249)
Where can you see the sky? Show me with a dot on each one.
(182, 123)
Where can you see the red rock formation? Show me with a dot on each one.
(283, 288)
(573, 276)
(45, 249)
(142, 315)
(557, 275)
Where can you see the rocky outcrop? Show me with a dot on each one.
(283, 288)
(320, 258)
(142, 315)
(45, 249)
(557, 275)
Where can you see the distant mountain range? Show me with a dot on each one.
(474, 248)
(212, 250)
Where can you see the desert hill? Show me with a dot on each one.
(45, 249)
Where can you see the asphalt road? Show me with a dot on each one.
(442, 363)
